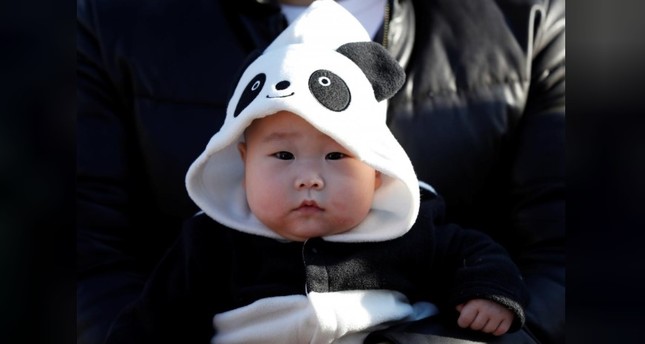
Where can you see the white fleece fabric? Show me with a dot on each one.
(318, 318)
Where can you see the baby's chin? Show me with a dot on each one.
(303, 233)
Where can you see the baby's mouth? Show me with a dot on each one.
(309, 205)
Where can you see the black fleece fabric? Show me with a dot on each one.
(213, 269)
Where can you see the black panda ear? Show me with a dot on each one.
(381, 69)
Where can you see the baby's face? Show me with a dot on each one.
(301, 183)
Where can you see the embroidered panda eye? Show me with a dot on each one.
(330, 90)
(323, 80)
(250, 92)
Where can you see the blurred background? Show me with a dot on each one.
(606, 183)
(37, 99)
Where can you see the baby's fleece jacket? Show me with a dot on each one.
(212, 269)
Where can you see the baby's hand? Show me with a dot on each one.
(486, 316)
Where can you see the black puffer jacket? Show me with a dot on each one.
(481, 116)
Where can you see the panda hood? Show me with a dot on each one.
(324, 68)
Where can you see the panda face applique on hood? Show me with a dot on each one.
(339, 84)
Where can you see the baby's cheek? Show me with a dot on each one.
(269, 211)
(265, 201)
(350, 213)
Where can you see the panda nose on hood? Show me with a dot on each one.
(282, 85)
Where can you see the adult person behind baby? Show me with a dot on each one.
(481, 115)
(309, 230)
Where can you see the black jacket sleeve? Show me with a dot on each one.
(108, 276)
(476, 266)
(537, 180)
(121, 230)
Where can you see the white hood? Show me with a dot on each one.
(326, 43)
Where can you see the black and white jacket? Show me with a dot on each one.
(266, 286)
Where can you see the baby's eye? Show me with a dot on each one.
(283, 155)
(335, 156)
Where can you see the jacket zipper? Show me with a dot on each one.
(386, 24)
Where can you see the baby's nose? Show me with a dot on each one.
(311, 181)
